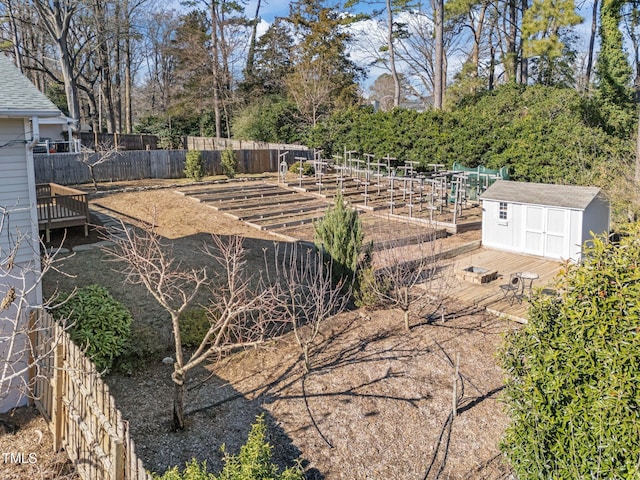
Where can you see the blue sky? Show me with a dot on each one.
(269, 9)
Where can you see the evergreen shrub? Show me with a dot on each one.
(339, 235)
(194, 165)
(194, 325)
(573, 386)
(307, 168)
(229, 163)
(252, 463)
(99, 324)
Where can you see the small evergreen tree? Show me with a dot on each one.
(194, 165)
(229, 163)
(573, 392)
(339, 235)
(252, 463)
(254, 460)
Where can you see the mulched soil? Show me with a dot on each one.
(376, 404)
(26, 446)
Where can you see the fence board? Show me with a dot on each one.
(122, 141)
(66, 169)
(80, 410)
(212, 143)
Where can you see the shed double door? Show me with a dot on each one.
(546, 232)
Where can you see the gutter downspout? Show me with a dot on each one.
(35, 133)
(35, 138)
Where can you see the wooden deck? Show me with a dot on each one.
(490, 295)
(61, 207)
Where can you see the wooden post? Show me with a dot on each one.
(455, 387)
(57, 384)
(118, 465)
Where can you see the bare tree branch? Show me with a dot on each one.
(408, 275)
(92, 158)
(242, 307)
(21, 273)
(306, 293)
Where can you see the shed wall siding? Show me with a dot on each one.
(596, 218)
(563, 226)
(504, 235)
(576, 239)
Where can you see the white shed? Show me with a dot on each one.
(22, 106)
(548, 220)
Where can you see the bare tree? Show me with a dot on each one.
(57, 17)
(241, 305)
(407, 273)
(306, 294)
(312, 88)
(91, 159)
(439, 80)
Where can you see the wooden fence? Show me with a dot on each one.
(213, 143)
(80, 411)
(119, 141)
(66, 169)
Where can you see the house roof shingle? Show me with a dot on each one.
(19, 97)
(551, 195)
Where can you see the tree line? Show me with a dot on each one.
(118, 65)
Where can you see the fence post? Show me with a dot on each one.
(118, 461)
(58, 383)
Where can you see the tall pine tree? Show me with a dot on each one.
(324, 77)
(613, 69)
(545, 28)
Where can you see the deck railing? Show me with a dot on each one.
(60, 207)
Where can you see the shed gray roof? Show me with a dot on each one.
(551, 195)
(19, 97)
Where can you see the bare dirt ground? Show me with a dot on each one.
(376, 404)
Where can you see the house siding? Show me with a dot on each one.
(21, 103)
(17, 196)
(14, 355)
(18, 225)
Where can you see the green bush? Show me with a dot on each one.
(544, 134)
(252, 463)
(194, 165)
(339, 235)
(194, 325)
(192, 471)
(144, 345)
(254, 460)
(99, 324)
(229, 163)
(307, 168)
(573, 382)
(370, 289)
(269, 118)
